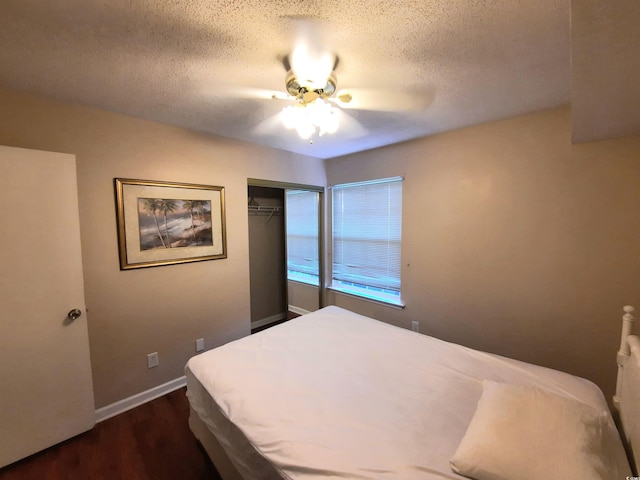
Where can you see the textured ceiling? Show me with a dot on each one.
(203, 64)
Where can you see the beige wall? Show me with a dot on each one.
(514, 240)
(163, 309)
(303, 297)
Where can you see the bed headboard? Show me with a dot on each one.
(627, 397)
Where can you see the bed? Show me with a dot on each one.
(334, 394)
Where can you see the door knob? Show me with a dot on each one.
(75, 313)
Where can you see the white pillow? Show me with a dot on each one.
(525, 433)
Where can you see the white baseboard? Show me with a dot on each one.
(266, 321)
(138, 399)
(298, 310)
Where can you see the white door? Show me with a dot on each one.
(46, 390)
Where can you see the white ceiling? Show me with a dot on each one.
(192, 63)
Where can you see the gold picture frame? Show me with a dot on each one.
(166, 223)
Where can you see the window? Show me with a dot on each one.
(367, 232)
(302, 236)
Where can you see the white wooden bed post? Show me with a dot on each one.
(623, 352)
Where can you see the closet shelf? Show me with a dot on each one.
(265, 210)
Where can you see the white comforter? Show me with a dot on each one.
(336, 394)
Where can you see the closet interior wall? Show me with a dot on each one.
(268, 283)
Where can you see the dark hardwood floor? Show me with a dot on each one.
(150, 442)
(290, 315)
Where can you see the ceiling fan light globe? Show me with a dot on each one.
(305, 130)
(290, 117)
(330, 125)
(296, 118)
(323, 116)
(317, 116)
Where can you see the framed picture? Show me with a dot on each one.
(162, 223)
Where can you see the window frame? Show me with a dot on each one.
(300, 275)
(378, 294)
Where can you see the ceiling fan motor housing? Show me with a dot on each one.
(302, 91)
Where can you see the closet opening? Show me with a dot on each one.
(285, 251)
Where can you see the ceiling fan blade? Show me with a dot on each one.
(382, 100)
(311, 62)
(235, 91)
(349, 126)
(271, 125)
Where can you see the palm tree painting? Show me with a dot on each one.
(173, 223)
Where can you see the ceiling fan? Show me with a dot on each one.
(311, 81)
(315, 103)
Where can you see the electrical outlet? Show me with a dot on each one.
(415, 326)
(153, 360)
(199, 344)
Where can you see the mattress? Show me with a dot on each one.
(336, 394)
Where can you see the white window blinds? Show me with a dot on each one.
(302, 236)
(367, 233)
